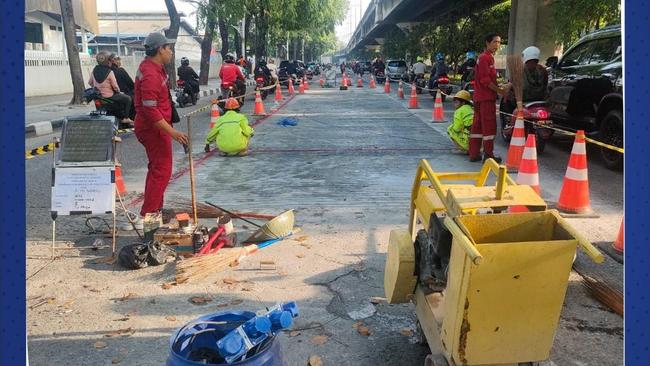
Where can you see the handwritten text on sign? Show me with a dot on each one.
(83, 189)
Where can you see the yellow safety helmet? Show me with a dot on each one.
(463, 95)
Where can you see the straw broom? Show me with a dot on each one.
(515, 66)
(202, 266)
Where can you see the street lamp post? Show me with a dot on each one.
(117, 30)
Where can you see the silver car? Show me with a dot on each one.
(397, 69)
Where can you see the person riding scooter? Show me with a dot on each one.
(418, 69)
(262, 70)
(188, 75)
(231, 76)
(535, 81)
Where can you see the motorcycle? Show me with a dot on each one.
(442, 83)
(261, 82)
(536, 112)
(236, 90)
(380, 76)
(420, 83)
(184, 94)
(103, 106)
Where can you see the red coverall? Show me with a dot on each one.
(484, 127)
(152, 103)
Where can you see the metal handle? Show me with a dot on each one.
(584, 244)
(464, 241)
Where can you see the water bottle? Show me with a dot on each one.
(242, 339)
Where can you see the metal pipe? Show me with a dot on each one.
(117, 30)
(191, 162)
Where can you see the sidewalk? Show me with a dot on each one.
(43, 114)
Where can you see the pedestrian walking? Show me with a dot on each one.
(484, 126)
(153, 120)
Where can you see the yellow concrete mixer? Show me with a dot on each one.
(488, 285)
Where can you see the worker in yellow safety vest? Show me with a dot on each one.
(459, 130)
(231, 132)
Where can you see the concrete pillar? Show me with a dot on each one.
(529, 25)
(84, 41)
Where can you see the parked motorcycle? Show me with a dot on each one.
(442, 83)
(184, 94)
(536, 112)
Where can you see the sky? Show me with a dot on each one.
(356, 9)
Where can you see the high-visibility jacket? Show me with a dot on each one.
(459, 129)
(231, 132)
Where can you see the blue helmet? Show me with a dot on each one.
(440, 56)
(471, 55)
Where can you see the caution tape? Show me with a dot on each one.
(569, 133)
(426, 89)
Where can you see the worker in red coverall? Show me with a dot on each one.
(153, 121)
(484, 126)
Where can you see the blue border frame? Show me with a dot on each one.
(12, 186)
(637, 167)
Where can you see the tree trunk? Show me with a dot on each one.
(69, 32)
(261, 29)
(237, 44)
(223, 32)
(206, 48)
(172, 33)
(247, 31)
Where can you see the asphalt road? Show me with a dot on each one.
(347, 169)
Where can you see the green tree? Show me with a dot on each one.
(574, 18)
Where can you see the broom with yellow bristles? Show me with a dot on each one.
(515, 66)
(201, 266)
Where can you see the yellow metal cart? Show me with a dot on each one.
(488, 285)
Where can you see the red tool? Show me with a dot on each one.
(206, 247)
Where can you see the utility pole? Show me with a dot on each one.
(117, 30)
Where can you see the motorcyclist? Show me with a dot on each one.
(231, 76)
(273, 69)
(262, 70)
(440, 68)
(189, 76)
(378, 65)
(467, 68)
(535, 80)
(418, 68)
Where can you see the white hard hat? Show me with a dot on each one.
(530, 53)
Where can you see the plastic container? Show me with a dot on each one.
(202, 334)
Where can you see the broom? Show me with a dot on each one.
(199, 267)
(515, 66)
(603, 292)
(205, 211)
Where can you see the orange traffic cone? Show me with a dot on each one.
(301, 88)
(387, 87)
(618, 243)
(259, 106)
(528, 173)
(400, 90)
(372, 82)
(574, 196)
(214, 114)
(119, 181)
(413, 102)
(516, 143)
(291, 89)
(321, 82)
(438, 114)
(345, 80)
(306, 82)
(278, 92)
(359, 82)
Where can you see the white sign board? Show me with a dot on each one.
(83, 190)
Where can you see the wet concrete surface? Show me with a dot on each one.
(347, 168)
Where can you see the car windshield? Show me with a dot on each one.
(396, 64)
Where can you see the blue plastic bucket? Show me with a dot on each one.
(269, 352)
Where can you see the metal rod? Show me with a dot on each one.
(501, 182)
(195, 213)
(233, 214)
(53, 218)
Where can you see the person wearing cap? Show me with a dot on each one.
(153, 120)
(484, 127)
(231, 132)
(458, 131)
(124, 80)
(103, 79)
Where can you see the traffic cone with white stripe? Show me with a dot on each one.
(528, 173)
(359, 82)
(278, 93)
(259, 105)
(387, 87)
(400, 90)
(517, 143)
(291, 89)
(214, 114)
(301, 88)
(413, 101)
(438, 114)
(321, 81)
(618, 244)
(574, 196)
(372, 82)
(306, 82)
